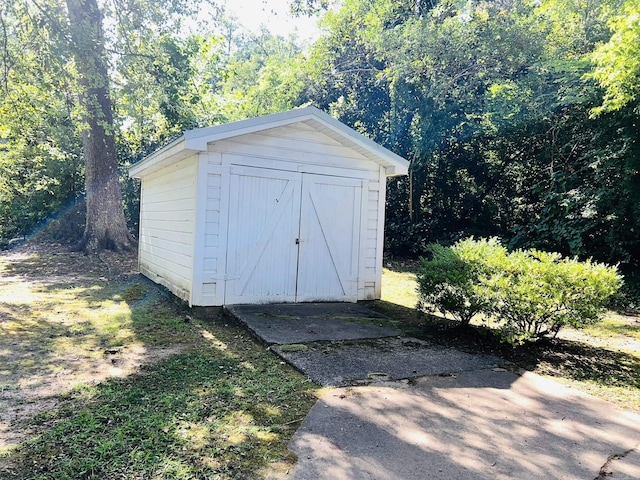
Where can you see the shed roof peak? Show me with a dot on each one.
(197, 140)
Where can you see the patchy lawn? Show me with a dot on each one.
(603, 360)
(103, 375)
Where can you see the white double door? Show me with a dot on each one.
(292, 237)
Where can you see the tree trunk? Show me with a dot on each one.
(106, 227)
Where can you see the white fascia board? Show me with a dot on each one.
(394, 164)
(163, 157)
(194, 141)
(199, 138)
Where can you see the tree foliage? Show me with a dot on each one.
(40, 145)
(61, 114)
(617, 62)
(519, 118)
(493, 103)
(263, 75)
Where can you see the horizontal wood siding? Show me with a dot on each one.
(167, 224)
(298, 145)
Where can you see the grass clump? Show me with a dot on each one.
(134, 293)
(294, 347)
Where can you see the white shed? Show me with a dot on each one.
(286, 207)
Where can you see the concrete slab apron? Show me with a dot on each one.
(484, 424)
(310, 322)
(348, 344)
(353, 363)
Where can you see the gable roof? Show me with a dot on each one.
(195, 141)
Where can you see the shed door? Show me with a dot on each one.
(329, 239)
(262, 257)
(292, 237)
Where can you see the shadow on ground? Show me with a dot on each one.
(554, 357)
(201, 399)
(470, 426)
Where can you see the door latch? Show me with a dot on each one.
(297, 241)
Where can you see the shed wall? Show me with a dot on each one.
(295, 147)
(167, 226)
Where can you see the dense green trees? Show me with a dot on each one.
(40, 149)
(76, 77)
(617, 61)
(263, 75)
(520, 118)
(61, 115)
(509, 112)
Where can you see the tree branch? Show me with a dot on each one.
(130, 54)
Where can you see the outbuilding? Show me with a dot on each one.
(286, 207)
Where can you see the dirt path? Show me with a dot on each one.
(614, 340)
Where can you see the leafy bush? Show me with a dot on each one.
(535, 293)
(448, 281)
(530, 293)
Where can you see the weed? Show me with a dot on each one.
(134, 292)
(294, 347)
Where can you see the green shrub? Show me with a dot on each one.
(534, 293)
(529, 293)
(448, 281)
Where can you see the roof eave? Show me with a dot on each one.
(195, 141)
(394, 164)
(161, 158)
(393, 171)
(199, 138)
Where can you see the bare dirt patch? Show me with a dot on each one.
(66, 320)
(29, 395)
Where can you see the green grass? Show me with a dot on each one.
(206, 413)
(294, 347)
(399, 287)
(207, 402)
(615, 326)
